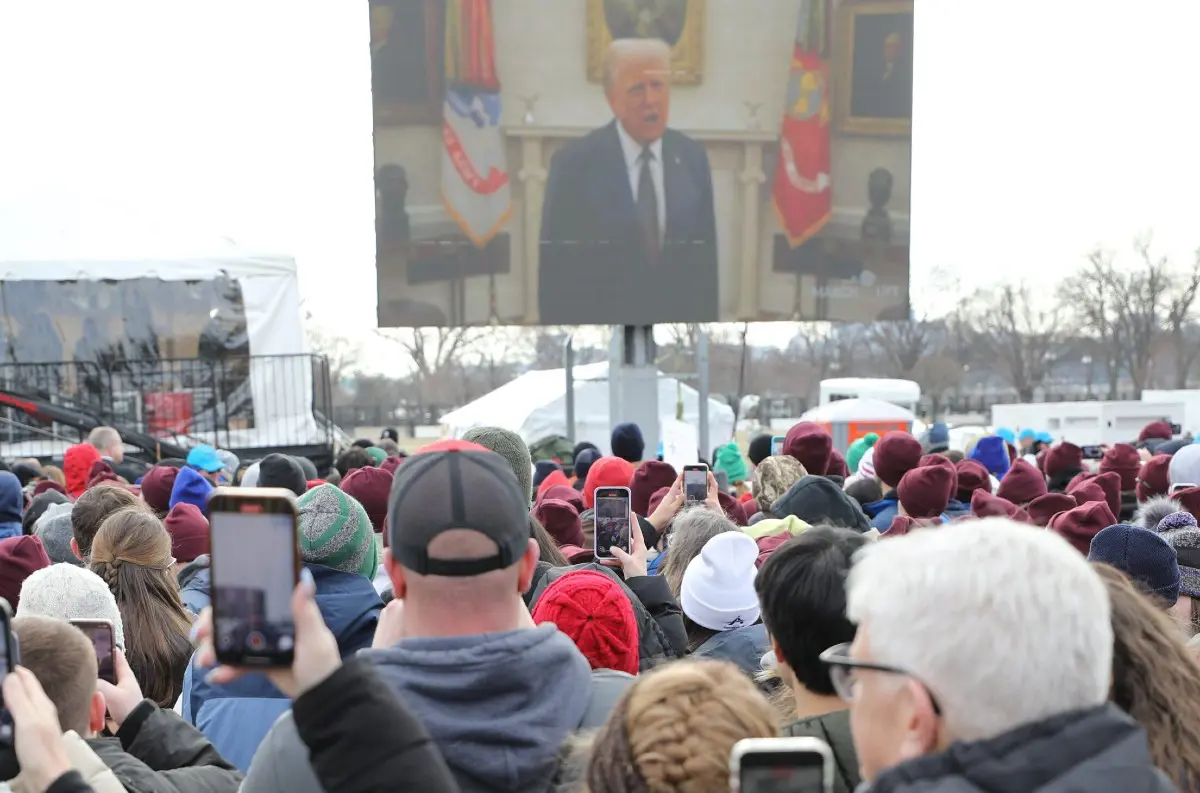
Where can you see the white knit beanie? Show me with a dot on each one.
(718, 585)
(866, 464)
(1185, 466)
(67, 592)
(250, 476)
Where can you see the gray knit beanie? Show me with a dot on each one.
(65, 592)
(508, 445)
(336, 532)
(1186, 544)
(53, 528)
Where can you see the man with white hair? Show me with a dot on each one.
(983, 661)
(628, 225)
(107, 441)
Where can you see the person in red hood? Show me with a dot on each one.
(77, 465)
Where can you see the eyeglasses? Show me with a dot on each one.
(843, 668)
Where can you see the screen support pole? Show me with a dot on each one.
(633, 382)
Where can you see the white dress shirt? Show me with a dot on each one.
(633, 166)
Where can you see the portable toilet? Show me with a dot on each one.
(847, 420)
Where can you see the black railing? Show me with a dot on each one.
(235, 402)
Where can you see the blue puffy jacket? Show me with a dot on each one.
(12, 505)
(883, 511)
(236, 717)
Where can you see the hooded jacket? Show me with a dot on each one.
(157, 752)
(744, 647)
(1100, 750)
(12, 505)
(195, 584)
(833, 729)
(237, 716)
(818, 500)
(498, 706)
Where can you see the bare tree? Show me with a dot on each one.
(1087, 298)
(437, 358)
(902, 344)
(1020, 335)
(343, 355)
(1181, 323)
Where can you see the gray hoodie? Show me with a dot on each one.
(498, 705)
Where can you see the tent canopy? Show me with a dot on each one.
(858, 410)
(534, 407)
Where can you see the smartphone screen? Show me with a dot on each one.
(612, 520)
(10, 656)
(695, 484)
(254, 569)
(100, 633)
(1093, 452)
(780, 776)
(777, 445)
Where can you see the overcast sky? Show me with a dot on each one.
(1042, 129)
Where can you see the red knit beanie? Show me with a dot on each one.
(606, 472)
(189, 532)
(370, 487)
(561, 520)
(565, 493)
(1022, 484)
(596, 614)
(19, 558)
(896, 454)
(811, 444)
(1154, 479)
(1123, 460)
(156, 488)
(650, 477)
(1063, 457)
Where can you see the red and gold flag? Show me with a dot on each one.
(801, 189)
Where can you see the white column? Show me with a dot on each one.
(751, 179)
(533, 181)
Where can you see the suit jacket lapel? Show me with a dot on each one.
(613, 180)
(676, 182)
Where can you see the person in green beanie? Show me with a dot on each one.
(336, 532)
(511, 447)
(377, 454)
(729, 459)
(857, 449)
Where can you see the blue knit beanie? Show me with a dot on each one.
(1143, 556)
(190, 488)
(627, 442)
(992, 452)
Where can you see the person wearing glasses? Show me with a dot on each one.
(983, 661)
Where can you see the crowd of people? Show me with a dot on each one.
(1007, 617)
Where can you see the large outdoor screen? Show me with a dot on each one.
(636, 162)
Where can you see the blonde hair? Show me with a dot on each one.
(620, 48)
(673, 730)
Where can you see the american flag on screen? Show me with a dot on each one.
(475, 186)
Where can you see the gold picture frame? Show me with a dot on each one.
(850, 34)
(687, 54)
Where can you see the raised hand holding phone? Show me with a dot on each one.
(316, 655)
(634, 563)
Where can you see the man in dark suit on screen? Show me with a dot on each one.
(628, 230)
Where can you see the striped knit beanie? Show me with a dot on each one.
(336, 532)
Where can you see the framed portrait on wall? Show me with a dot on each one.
(873, 62)
(407, 40)
(680, 23)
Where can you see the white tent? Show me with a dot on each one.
(67, 237)
(535, 407)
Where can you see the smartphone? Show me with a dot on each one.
(255, 563)
(612, 521)
(10, 656)
(781, 765)
(777, 445)
(1176, 429)
(100, 633)
(1093, 452)
(695, 484)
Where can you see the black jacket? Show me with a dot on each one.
(362, 739)
(1100, 750)
(156, 751)
(833, 729)
(816, 500)
(661, 633)
(70, 782)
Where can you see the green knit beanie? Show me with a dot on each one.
(729, 459)
(857, 449)
(511, 447)
(336, 532)
(377, 454)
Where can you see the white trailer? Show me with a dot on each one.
(1087, 423)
